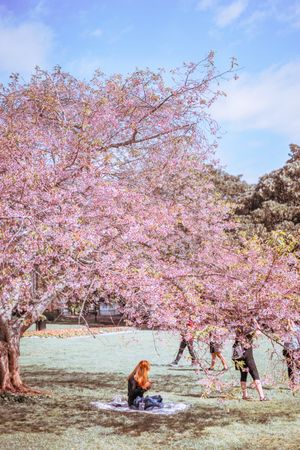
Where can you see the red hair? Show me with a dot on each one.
(140, 373)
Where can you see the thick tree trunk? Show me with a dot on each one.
(4, 367)
(13, 360)
(12, 326)
(10, 378)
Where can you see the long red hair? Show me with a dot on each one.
(140, 373)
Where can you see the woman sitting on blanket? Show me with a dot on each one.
(138, 384)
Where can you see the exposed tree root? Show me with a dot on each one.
(23, 390)
(10, 380)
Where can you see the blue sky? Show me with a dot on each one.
(259, 117)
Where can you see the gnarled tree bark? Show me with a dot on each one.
(10, 378)
(13, 324)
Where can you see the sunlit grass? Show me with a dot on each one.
(83, 369)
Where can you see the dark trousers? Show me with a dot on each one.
(189, 344)
(148, 402)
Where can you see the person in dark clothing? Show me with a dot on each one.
(244, 361)
(291, 351)
(134, 391)
(189, 343)
(138, 384)
(187, 340)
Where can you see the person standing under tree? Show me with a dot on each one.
(187, 340)
(291, 351)
(215, 349)
(244, 360)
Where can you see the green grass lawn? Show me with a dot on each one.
(80, 370)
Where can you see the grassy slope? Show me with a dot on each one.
(82, 369)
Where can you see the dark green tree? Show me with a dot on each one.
(271, 204)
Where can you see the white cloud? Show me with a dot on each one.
(251, 23)
(223, 15)
(267, 101)
(290, 14)
(40, 8)
(205, 5)
(287, 16)
(228, 14)
(119, 35)
(97, 32)
(85, 66)
(24, 46)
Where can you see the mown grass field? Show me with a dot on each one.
(79, 370)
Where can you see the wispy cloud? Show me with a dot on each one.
(228, 14)
(39, 9)
(223, 15)
(117, 36)
(267, 10)
(290, 14)
(251, 23)
(97, 32)
(205, 5)
(239, 12)
(267, 101)
(84, 67)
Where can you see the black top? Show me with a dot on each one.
(134, 390)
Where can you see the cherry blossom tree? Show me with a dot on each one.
(105, 187)
(84, 203)
(216, 278)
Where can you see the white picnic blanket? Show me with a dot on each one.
(122, 406)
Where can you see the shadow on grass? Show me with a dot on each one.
(69, 407)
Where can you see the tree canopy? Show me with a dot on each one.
(106, 187)
(273, 203)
